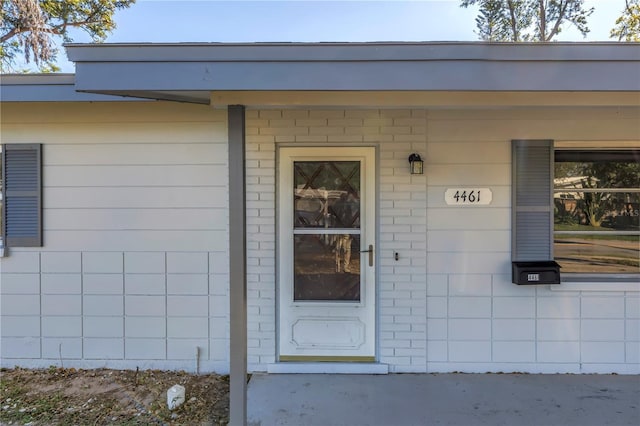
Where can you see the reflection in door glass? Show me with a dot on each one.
(327, 194)
(327, 267)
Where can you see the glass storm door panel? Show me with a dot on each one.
(326, 254)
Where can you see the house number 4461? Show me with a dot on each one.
(468, 196)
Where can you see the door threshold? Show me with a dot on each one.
(327, 368)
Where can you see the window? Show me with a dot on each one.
(578, 203)
(21, 222)
(596, 201)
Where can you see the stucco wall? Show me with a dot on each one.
(134, 268)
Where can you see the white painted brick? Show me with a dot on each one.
(187, 327)
(144, 262)
(102, 326)
(188, 263)
(145, 327)
(602, 307)
(20, 326)
(603, 352)
(106, 263)
(103, 348)
(558, 307)
(145, 349)
(103, 305)
(19, 283)
(103, 283)
(186, 348)
(514, 351)
(470, 351)
(632, 330)
(469, 307)
(187, 284)
(469, 329)
(514, 307)
(602, 329)
(470, 285)
(514, 329)
(187, 306)
(62, 326)
(68, 348)
(561, 330)
(61, 262)
(152, 306)
(558, 352)
(20, 347)
(144, 283)
(20, 262)
(632, 307)
(61, 283)
(55, 304)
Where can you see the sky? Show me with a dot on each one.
(314, 21)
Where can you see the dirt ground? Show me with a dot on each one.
(67, 396)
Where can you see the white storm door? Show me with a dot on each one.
(326, 263)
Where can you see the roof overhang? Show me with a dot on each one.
(477, 66)
(384, 74)
(46, 88)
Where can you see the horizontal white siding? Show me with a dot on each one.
(134, 271)
(134, 268)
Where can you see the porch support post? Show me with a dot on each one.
(237, 268)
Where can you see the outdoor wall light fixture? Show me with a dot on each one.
(416, 164)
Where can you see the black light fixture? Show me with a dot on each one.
(416, 164)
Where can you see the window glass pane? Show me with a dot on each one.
(326, 267)
(590, 175)
(326, 194)
(597, 211)
(619, 254)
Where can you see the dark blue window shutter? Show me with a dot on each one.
(22, 179)
(532, 200)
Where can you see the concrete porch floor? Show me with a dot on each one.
(443, 399)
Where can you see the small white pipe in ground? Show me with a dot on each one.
(197, 359)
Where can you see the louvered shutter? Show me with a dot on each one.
(532, 200)
(22, 211)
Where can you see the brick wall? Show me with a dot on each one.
(448, 303)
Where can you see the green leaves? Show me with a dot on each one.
(628, 24)
(528, 20)
(28, 27)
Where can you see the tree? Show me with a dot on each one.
(628, 24)
(28, 27)
(528, 20)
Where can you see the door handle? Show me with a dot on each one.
(370, 251)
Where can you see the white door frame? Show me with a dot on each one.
(332, 331)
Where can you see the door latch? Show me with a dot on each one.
(370, 251)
